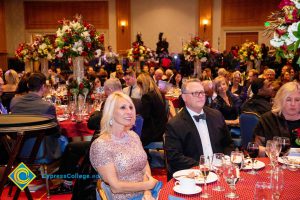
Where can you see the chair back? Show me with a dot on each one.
(138, 126)
(103, 191)
(248, 121)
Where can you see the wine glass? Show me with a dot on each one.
(285, 148)
(253, 150)
(204, 166)
(237, 158)
(273, 148)
(217, 166)
(231, 175)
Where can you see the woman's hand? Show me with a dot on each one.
(148, 196)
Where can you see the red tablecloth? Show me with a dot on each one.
(73, 129)
(245, 187)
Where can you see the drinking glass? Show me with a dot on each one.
(231, 175)
(273, 148)
(263, 190)
(72, 108)
(204, 166)
(237, 158)
(253, 150)
(285, 148)
(277, 182)
(217, 166)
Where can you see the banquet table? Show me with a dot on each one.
(244, 188)
(77, 131)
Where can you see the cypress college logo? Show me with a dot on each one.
(22, 176)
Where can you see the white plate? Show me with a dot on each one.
(294, 152)
(195, 190)
(212, 177)
(257, 164)
(295, 158)
(60, 119)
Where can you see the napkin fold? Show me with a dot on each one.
(154, 192)
(171, 197)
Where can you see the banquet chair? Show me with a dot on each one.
(103, 191)
(248, 121)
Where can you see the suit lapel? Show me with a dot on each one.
(190, 125)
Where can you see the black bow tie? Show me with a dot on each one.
(198, 117)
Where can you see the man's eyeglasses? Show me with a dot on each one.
(196, 94)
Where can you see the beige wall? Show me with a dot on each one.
(176, 18)
(15, 26)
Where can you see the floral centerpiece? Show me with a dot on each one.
(42, 48)
(284, 26)
(249, 52)
(139, 52)
(24, 52)
(78, 38)
(196, 48)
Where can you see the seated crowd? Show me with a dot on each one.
(208, 111)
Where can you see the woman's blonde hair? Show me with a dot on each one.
(286, 90)
(217, 82)
(109, 109)
(11, 77)
(147, 84)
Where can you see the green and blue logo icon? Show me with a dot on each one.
(21, 176)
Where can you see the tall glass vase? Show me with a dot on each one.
(44, 66)
(36, 66)
(197, 68)
(28, 66)
(78, 68)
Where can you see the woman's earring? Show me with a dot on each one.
(111, 122)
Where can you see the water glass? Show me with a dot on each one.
(263, 191)
(231, 175)
(217, 165)
(277, 182)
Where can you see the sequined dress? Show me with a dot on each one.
(127, 155)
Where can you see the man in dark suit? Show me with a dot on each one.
(196, 130)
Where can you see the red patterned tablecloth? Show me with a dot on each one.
(73, 129)
(245, 187)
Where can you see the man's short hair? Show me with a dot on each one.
(113, 83)
(192, 80)
(257, 84)
(36, 81)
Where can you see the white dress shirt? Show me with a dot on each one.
(203, 133)
(136, 92)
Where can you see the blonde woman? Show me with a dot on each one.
(154, 110)
(9, 89)
(12, 80)
(284, 118)
(236, 85)
(118, 155)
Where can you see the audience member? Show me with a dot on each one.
(153, 110)
(260, 102)
(9, 89)
(196, 130)
(132, 89)
(284, 118)
(32, 103)
(210, 94)
(247, 92)
(118, 155)
(158, 74)
(177, 80)
(227, 103)
(236, 85)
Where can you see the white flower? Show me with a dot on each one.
(297, 3)
(98, 53)
(85, 34)
(203, 59)
(276, 42)
(293, 28)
